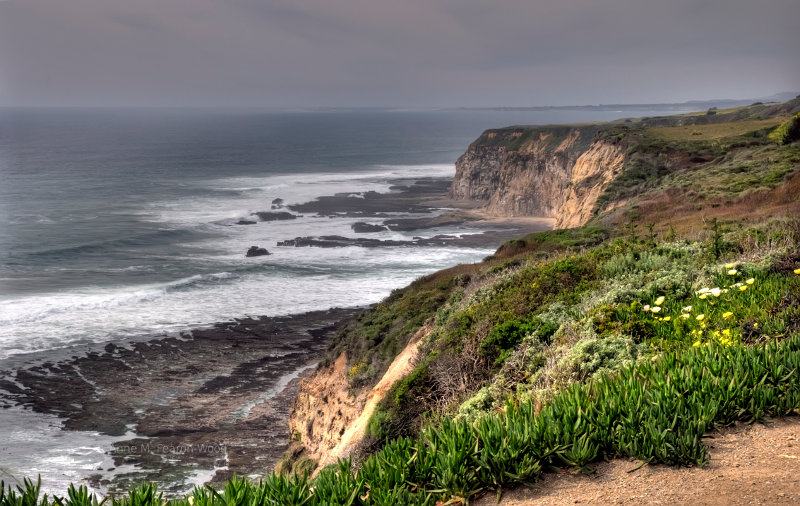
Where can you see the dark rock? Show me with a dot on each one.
(246, 222)
(277, 203)
(366, 228)
(444, 220)
(255, 251)
(337, 241)
(270, 216)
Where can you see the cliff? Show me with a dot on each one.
(564, 171)
(555, 172)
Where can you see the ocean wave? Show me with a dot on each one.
(31, 309)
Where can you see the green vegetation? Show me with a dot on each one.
(713, 130)
(788, 131)
(373, 338)
(660, 411)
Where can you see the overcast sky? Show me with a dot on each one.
(296, 53)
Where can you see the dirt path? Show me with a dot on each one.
(750, 464)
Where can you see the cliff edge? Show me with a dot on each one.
(563, 171)
(552, 171)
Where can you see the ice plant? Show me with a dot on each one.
(750, 281)
(797, 271)
(655, 309)
(700, 317)
(659, 301)
(733, 272)
(727, 314)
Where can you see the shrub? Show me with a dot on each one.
(788, 131)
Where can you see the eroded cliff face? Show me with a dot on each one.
(555, 172)
(324, 408)
(590, 176)
(329, 418)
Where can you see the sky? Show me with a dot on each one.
(395, 53)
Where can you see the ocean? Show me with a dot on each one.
(122, 224)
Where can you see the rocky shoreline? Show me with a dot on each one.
(213, 402)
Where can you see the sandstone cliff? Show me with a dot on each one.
(555, 172)
(331, 420)
(589, 177)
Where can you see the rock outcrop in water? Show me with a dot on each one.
(255, 251)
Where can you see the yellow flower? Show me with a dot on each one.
(733, 272)
(755, 325)
(704, 296)
(659, 301)
(687, 309)
(797, 271)
(697, 344)
(685, 315)
(716, 292)
(730, 266)
(666, 318)
(743, 287)
(726, 332)
(655, 309)
(704, 290)
(727, 315)
(700, 317)
(750, 281)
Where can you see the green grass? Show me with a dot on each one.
(713, 131)
(659, 411)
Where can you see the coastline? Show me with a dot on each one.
(212, 402)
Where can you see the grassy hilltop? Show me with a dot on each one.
(675, 310)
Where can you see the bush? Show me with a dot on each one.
(788, 131)
(508, 334)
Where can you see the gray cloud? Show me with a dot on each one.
(376, 52)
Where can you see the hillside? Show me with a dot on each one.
(581, 173)
(678, 198)
(670, 308)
